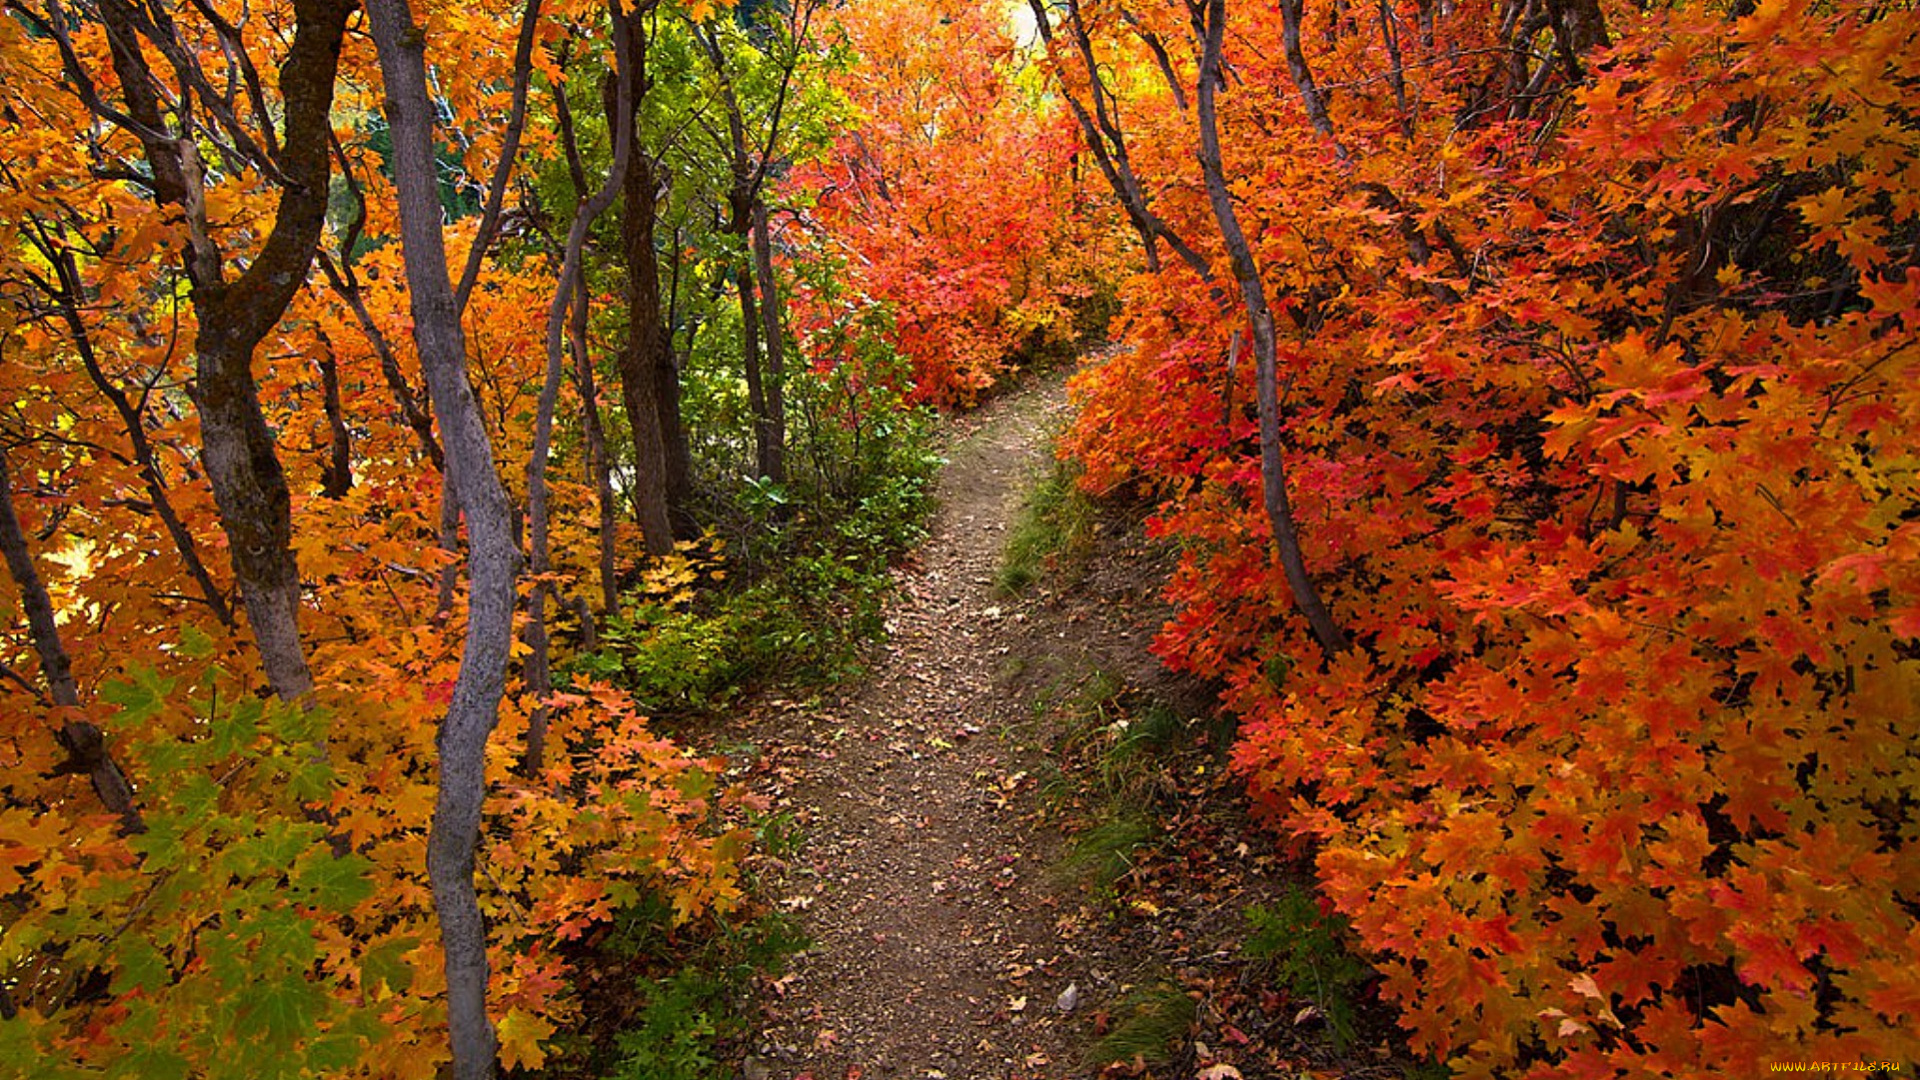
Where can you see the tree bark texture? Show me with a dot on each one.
(82, 740)
(750, 326)
(598, 472)
(539, 675)
(492, 556)
(643, 357)
(599, 461)
(249, 486)
(773, 464)
(666, 391)
(1253, 293)
(336, 473)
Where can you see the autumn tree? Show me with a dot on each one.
(189, 887)
(229, 111)
(949, 196)
(1585, 314)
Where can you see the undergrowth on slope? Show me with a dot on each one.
(1052, 534)
(1225, 956)
(1150, 1026)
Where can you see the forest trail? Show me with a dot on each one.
(942, 943)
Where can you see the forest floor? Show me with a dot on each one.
(961, 924)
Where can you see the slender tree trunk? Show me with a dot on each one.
(414, 411)
(1292, 14)
(85, 745)
(336, 475)
(250, 490)
(750, 326)
(539, 676)
(773, 464)
(1253, 293)
(744, 202)
(599, 459)
(666, 394)
(1101, 131)
(643, 356)
(598, 472)
(493, 559)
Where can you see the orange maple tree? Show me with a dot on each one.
(955, 197)
(1595, 362)
(254, 902)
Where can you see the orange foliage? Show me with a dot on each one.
(961, 208)
(274, 918)
(1598, 402)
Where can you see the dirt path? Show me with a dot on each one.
(939, 940)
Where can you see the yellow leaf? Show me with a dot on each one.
(520, 1035)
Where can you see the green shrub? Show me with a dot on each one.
(1308, 953)
(692, 996)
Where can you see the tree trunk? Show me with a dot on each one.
(599, 461)
(773, 462)
(83, 742)
(539, 675)
(492, 560)
(249, 486)
(336, 473)
(1253, 293)
(750, 326)
(666, 394)
(645, 354)
(598, 473)
(1101, 131)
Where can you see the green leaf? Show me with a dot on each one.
(276, 1015)
(312, 781)
(386, 964)
(142, 967)
(237, 730)
(140, 697)
(160, 846)
(279, 939)
(197, 796)
(147, 1061)
(194, 643)
(334, 1053)
(335, 882)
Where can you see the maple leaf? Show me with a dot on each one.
(521, 1033)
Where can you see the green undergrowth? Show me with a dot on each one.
(1304, 950)
(1052, 535)
(673, 1003)
(1108, 784)
(688, 1017)
(790, 602)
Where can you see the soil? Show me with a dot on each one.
(924, 880)
(945, 941)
